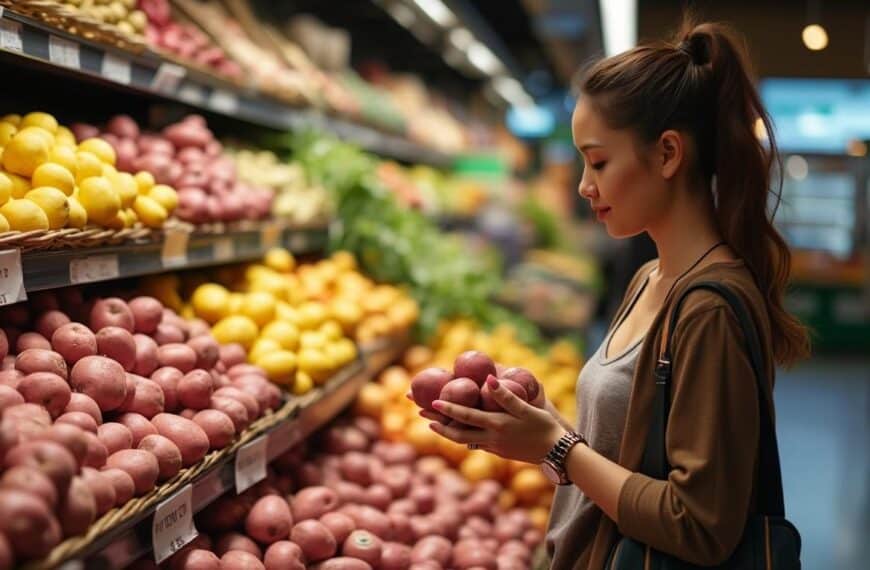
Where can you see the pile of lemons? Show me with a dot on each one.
(49, 181)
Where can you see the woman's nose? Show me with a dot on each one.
(587, 189)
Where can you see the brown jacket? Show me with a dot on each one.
(698, 514)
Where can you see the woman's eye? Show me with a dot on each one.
(598, 165)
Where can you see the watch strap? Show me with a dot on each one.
(559, 453)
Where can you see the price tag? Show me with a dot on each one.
(298, 242)
(168, 77)
(270, 234)
(116, 68)
(11, 277)
(174, 251)
(224, 102)
(10, 36)
(192, 94)
(224, 249)
(63, 52)
(251, 464)
(173, 525)
(93, 268)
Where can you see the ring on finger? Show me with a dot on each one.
(473, 446)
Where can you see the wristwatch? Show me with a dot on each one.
(553, 465)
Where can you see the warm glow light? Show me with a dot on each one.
(796, 166)
(760, 129)
(856, 148)
(815, 37)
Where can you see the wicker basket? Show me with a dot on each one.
(72, 238)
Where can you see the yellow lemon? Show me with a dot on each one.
(285, 312)
(234, 303)
(348, 313)
(7, 131)
(312, 315)
(116, 222)
(53, 202)
(12, 119)
(78, 217)
(99, 199)
(20, 185)
(259, 306)
(279, 365)
(286, 334)
(125, 185)
(5, 188)
(303, 383)
(87, 165)
(41, 120)
(315, 362)
(64, 137)
(54, 175)
(235, 328)
(312, 339)
(4, 224)
(280, 259)
(108, 171)
(344, 260)
(331, 330)
(27, 150)
(24, 215)
(261, 347)
(270, 282)
(210, 302)
(165, 195)
(64, 156)
(38, 131)
(100, 148)
(144, 181)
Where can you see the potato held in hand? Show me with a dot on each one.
(475, 365)
(488, 401)
(427, 385)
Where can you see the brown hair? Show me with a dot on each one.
(699, 84)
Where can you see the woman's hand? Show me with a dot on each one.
(522, 432)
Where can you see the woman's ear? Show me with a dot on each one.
(672, 152)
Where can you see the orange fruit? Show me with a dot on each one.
(506, 500)
(424, 440)
(478, 466)
(529, 484)
(370, 401)
(451, 451)
(393, 426)
(540, 516)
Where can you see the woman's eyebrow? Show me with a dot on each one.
(590, 145)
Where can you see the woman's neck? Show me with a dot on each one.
(683, 235)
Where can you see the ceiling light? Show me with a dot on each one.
(461, 38)
(437, 11)
(483, 59)
(619, 25)
(796, 167)
(512, 91)
(815, 37)
(402, 14)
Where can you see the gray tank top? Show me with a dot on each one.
(603, 391)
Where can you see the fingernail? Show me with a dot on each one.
(492, 381)
(434, 427)
(438, 405)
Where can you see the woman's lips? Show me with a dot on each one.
(601, 213)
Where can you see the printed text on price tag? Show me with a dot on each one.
(116, 68)
(93, 268)
(174, 248)
(168, 77)
(63, 52)
(10, 36)
(251, 464)
(173, 526)
(11, 277)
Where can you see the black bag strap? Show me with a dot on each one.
(655, 461)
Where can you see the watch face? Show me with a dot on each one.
(550, 473)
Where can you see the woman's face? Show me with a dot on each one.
(624, 191)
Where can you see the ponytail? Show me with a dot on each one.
(699, 83)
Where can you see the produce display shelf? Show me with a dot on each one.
(27, 41)
(123, 545)
(178, 250)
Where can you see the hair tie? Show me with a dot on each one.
(685, 46)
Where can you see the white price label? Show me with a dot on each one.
(173, 525)
(298, 242)
(270, 234)
(116, 68)
(224, 101)
(174, 251)
(224, 249)
(251, 464)
(168, 77)
(11, 277)
(93, 268)
(192, 94)
(10, 36)
(63, 52)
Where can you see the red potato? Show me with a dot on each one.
(177, 355)
(372, 520)
(369, 426)
(30, 480)
(48, 322)
(423, 526)
(102, 379)
(217, 426)
(111, 311)
(252, 407)
(199, 327)
(435, 548)
(356, 467)
(31, 340)
(378, 496)
(347, 492)
(343, 439)
(77, 508)
(207, 350)
(342, 563)
(397, 478)
(339, 524)
(475, 365)
(365, 546)
(115, 436)
(187, 413)
(119, 345)
(141, 465)
(11, 378)
(243, 369)
(70, 437)
(78, 419)
(525, 379)
(48, 456)
(449, 518)
(403, 506)
(515, 549)
(7, 556)
(234, 409)
(240, 560)
(187, 135)
(138, 425)
(20, 413)
(83, 403)
(96, 454)
(186, 434)
(234, 541)
(427, 385)
(506, 529)
(168, 378)
(147, 314)
(167, 454)
(27, 523)
(168, 333)
(314, 502)
(488, 401)
(74, 341)
(195, 559)
(533, 537)
(400, 528)
(46, 389)
(267, 394)
(314, 538)
(146, 398)
(284, 555)
(9, 397)
(41, 360)
(468, 554)
(269, 520)
(101, 488)
(123, 126)
(146, 355)
(462, 391)
(195, 389)
(424, 499)
(232, 354)
(395, 556)
(122, 484)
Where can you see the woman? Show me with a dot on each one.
(666, 132)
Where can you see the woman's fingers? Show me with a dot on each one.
(469, 416)
(506, 399)
(461, 435)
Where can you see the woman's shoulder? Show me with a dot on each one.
(734, 275)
